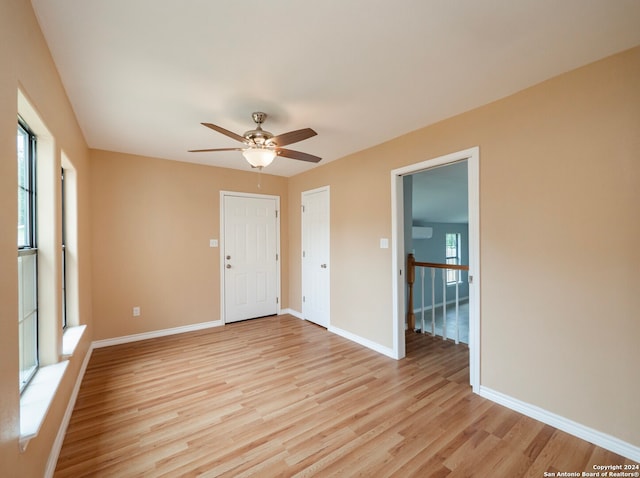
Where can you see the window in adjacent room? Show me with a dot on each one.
(27, 255)
(452, 256)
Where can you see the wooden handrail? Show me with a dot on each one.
(440, 266)
(411, 278)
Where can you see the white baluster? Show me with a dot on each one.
(457, 310)
(433, 302)
(444, 304)
(422, 295)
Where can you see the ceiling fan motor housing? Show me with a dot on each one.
(259, 136)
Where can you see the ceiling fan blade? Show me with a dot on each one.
(289, 153)
(225, 132)
(215, 149)
(293, 136)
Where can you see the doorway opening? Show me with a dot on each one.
(436, 243)
(402, 223)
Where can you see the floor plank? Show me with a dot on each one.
(282, 397)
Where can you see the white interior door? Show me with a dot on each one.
(315, 256)
(250, 257)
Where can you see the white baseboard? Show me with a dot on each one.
(155, 333)
(295, 313)
(349, 336)
(596, 437)
(362, 341)
(62, 431)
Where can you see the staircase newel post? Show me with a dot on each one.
(411, 278)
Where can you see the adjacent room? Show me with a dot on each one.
(438, 234)
(215, 206)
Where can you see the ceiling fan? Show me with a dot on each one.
(261, 147)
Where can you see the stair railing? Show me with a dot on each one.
(412, 264)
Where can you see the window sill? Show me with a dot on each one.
(70, 340)
(36, 399)
(38, 396)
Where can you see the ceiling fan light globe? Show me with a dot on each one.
(259, 157)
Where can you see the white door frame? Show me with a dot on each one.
(398, 265)
(326, 189)
(224, 194)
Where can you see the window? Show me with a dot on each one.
(64, 251)
(27, 255)
(452, 256)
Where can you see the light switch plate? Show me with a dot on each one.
(384, 243)
(213, 242)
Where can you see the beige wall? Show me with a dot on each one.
(27, 64)
(360, 214)
(559, 195)
(152, 221)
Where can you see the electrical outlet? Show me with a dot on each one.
(136, 311)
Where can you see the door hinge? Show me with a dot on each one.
(276, 213)
(304, 299)
(277, 300)
(304, 254)
(470, 279)
(276, 257)
(303, 208)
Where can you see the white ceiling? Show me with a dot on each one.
(142, 74)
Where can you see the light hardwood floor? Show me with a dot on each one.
(282, 397)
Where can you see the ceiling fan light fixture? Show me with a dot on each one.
(259, 157)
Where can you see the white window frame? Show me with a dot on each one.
(27, 262)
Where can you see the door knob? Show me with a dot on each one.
(228, 257)
(228, 266)
(323, 266)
